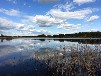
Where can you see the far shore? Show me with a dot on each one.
(13, 37)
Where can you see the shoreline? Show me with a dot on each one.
(13, 37)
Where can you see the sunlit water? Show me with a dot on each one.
(17, 56)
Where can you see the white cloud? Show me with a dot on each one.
(92, 18)
(68, 26)
(7, 32)
(21, 29)
(6, 24)
(1, 32)
(28, 28)
(83, 1)
(11, 12)
(42, 31)
(66, 7)
(44, 21)
(34, 31)
(58, 17)
(93, 30)
(80, 14)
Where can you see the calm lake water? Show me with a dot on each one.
(18, 56)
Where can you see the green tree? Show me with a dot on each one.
(2, 35)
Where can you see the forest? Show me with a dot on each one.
(74, 35)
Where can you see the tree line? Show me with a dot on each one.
(74, 35)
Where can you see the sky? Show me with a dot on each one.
(35, 17)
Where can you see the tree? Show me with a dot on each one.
(2, 35)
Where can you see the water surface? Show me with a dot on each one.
(18, 56)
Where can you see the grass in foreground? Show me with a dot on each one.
(73, 61)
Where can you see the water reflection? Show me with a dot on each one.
(1, 40)
(46, 57)
(83, 41)
(8, 39)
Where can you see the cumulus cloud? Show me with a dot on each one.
(6, 32)
(11, 12)
(83, 1)
(59, 18)
(61, 14)
(28, 28)
(68, 26)
(34, 31)
(45, 21)
(80, 14)
(41, 31)
(6, 24)
(92, 18)
(66, 7)
(21, 29)
(1, 31)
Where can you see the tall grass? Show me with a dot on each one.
(76, 60)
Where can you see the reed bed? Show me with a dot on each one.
(76, 60)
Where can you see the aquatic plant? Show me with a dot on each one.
(77, 60)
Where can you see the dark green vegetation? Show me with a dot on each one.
(75, 35)
(81, 37)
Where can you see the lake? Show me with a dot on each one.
(50, 57)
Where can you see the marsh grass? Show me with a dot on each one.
(76, 60)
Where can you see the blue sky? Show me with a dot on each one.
(34, 17)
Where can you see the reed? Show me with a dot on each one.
(76, 60)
